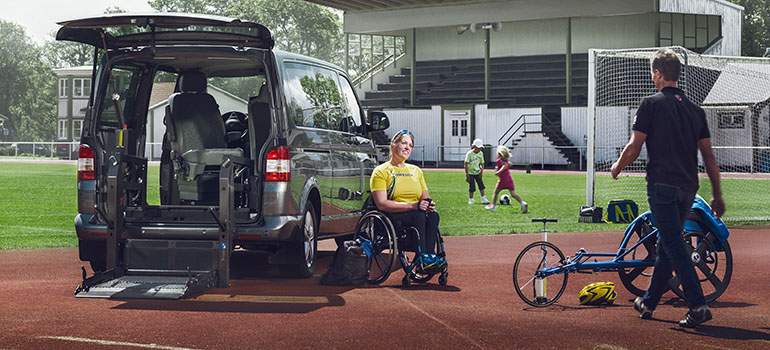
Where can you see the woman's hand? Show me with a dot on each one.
(426, 205)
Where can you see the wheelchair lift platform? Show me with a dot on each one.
(173, 263)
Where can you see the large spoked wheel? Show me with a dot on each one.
(408, 255)
(714, 268)
(377, 228)
(637, 279)
(530, 286)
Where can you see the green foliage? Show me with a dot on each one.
(68, 54)
(755, 36)
(27, 86)
(296, 25)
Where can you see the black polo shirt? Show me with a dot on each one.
(673, 126)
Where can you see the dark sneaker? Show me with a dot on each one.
(644, 311)
(696, 316)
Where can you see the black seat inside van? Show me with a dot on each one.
(196, 133)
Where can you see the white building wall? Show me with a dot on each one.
(534, 148)
(491, 124)
(425, 124)
(62, 108)
(78, 107)
(574, 125)
(732, 17)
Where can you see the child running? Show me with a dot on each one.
(506, 181)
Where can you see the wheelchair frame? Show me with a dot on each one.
(389, 243)
(541, 264)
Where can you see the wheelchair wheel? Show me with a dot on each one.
(408, 258)
(377, 228)
(713, 267)
(537, 257)
(637, 279)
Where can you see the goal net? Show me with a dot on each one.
(733, 91)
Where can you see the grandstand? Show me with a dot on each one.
(509, 71)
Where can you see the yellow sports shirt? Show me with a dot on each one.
(403, 185)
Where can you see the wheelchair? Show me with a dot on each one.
(388, 243)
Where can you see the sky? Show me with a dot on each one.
(39, 17)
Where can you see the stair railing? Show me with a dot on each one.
(376, 68)
(520, 126)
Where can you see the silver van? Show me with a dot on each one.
(259, 149)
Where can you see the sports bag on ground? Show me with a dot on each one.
(348, 267)
(622, 211)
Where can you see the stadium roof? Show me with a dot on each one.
(379, 5)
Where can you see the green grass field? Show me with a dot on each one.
(38, 204)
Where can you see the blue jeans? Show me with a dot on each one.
(669, 206)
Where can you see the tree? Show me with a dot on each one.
(296, 25)
(27, 86)
(68, 53)
(755, 38)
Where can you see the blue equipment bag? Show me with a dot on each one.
(622, 211)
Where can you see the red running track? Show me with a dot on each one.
(478, 309)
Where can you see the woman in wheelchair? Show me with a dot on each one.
(399, 190)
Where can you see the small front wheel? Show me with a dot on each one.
(537, 276)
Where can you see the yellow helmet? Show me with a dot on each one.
(598, 293)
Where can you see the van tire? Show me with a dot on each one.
(306, 249)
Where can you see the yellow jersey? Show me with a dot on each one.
(402, 184)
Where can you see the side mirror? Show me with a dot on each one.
(378, 121)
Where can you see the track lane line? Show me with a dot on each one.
(111, 342)
(447, 326)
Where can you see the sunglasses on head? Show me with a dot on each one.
(402, 132)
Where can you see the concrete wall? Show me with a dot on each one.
(618, 32)
(541, 37)
(534, 148)
(498, 11)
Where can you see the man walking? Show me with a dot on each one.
(674, 129)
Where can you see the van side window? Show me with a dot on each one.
(313, 96)
(353, 109)
(118, 99)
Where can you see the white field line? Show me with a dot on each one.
(116, 343)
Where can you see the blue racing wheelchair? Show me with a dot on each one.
(541, 269)
(388, 245)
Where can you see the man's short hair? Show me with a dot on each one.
(666, 61)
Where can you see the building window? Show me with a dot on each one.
(63, 87)
(77, 128)
(81, 87)
(731, 120)
(62, 130)
(694, 32)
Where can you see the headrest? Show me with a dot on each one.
(192, 82)
(262, 95)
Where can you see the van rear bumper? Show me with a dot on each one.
(273, 229)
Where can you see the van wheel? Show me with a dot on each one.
(308, 247)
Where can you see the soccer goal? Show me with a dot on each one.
(734, 92)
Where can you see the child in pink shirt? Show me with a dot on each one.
(506, 181)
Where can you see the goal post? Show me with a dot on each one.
(733, 91)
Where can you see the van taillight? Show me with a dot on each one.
(278, 165)
(85, 163)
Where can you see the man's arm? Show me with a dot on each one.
(630, 153)
(712, 169)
